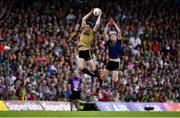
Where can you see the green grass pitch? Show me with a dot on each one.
(89, 114)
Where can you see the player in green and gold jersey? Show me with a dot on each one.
(84, 46)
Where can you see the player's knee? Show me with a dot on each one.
(103, 77)
(92, 68)
(80, 66)
(115, 79)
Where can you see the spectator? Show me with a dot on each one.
(155, 47)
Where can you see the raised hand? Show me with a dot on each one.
(110, 23)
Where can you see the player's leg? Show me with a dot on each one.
(115, 72)
(115, 80)
(95, 71)
(105, 74)
(77, 104)
(91, 65)
(93, 68)
(71, 101)
(71, 104)
(81, 63)
(107, 70)
(81, 67)
(84, 55)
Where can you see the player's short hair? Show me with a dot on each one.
(112, 32)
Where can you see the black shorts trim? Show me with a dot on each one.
(85, 54)
(113, 66)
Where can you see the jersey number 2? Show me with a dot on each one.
(75, 87)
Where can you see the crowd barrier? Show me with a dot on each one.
(137, 106)
(35, 106)
(102, 106)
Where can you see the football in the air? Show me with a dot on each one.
(96, 11)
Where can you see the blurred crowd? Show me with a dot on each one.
(43, 36)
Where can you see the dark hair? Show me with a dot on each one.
(90, 24)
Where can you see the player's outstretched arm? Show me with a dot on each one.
(106, 37)
(83, 24)
(97, 23)
(117, 28)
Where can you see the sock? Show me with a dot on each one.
(100, 83)
(85, 70)
(96, 72)
(116, 85)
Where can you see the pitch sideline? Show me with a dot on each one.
(88, 117)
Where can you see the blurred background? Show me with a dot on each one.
(43, 36)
